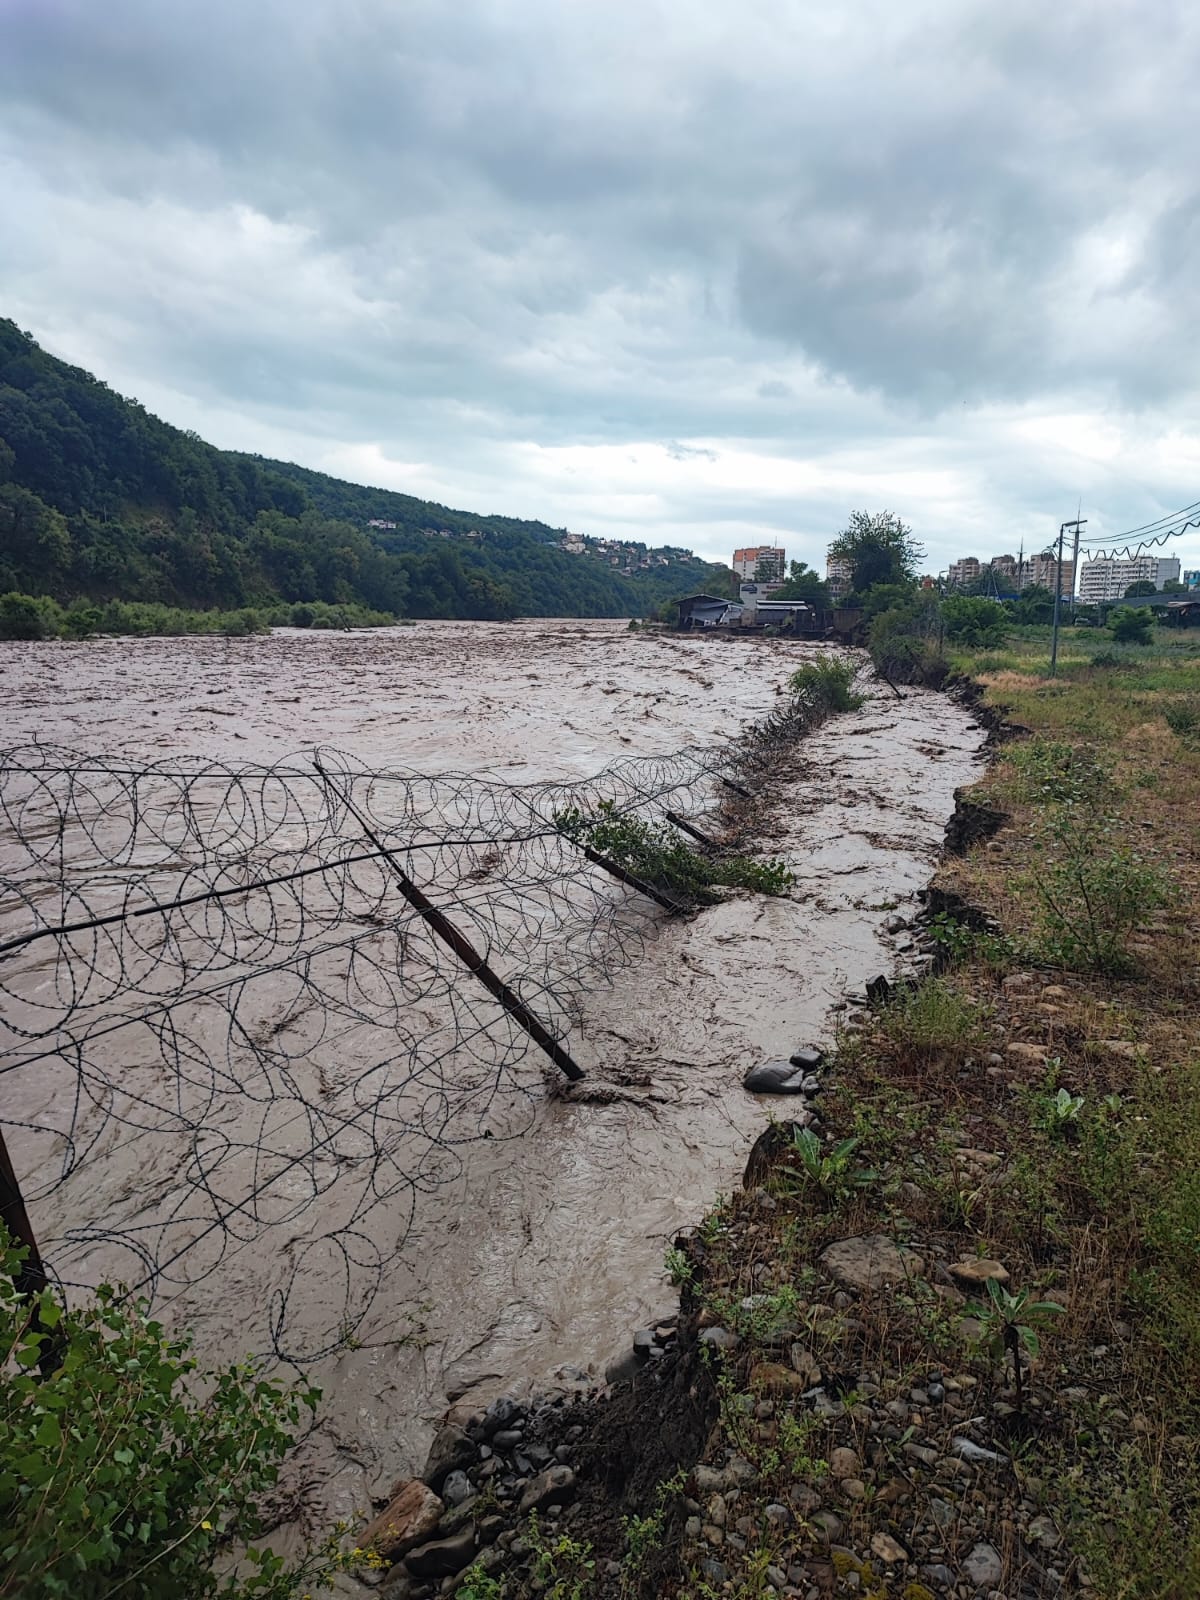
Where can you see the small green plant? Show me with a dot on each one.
(1058, 1114)
(1009, 1322)
(931, 1018)
(678, 1267)
(831, 1171)
(643, 1535)
(476, 1584)
(562, 1567)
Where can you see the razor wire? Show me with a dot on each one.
(220, 1018)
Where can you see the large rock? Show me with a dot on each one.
(411, 1515)
(776, 1077)
(869, 1261)
(554, 1487)
(443, 1557)
(451, 1451)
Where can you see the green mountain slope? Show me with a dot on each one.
(99, 499)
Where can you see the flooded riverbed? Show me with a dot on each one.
(547, 1248)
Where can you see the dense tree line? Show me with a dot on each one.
(101, 501)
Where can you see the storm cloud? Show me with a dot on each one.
(695, 275)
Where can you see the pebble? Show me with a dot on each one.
(888, 1549)
(983, 1566)
(718, 1338)
(844, 1463)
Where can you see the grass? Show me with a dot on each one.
(1036, 1102)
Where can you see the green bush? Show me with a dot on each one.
(27, 616)
(905, 645)
(1091, 896)
(972, 620)
(656, 854)
(128, 1470)
(1132, 624)
(827, 683)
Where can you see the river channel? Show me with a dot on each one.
(538, 1261)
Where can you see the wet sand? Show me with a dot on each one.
(549, 1248)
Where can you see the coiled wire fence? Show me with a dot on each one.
(223, 1016)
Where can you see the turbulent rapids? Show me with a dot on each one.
(252, 1081)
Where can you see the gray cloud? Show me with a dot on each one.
(938, 258)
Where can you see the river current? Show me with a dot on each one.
(540, 1259)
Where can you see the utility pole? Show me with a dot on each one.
(1077, 524)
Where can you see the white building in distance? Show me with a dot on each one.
(1107, 579)
(773, 559)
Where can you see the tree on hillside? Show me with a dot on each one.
(880, 549)
(1143, 586)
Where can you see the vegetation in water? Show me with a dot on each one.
(655, 853)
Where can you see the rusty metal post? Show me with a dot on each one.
(462, 947)
(639, 884)
(686, 827)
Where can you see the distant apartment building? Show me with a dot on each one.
(839, 575)
(1107, 579)
(1041, 571)
(1006, 574)
(1191, 578)
(773, 559)
(964, 572)
(379, 522)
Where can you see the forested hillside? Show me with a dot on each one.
(100, 500)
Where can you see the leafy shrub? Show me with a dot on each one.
(828, 683)
(974, 621)
(654, 853)
(1055, 772)
(127, 1469)
(905, 645)
(1132, 624)
(1092, 895)
(27, 616)
(1183, 716)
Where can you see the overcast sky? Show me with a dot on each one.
(703, 274)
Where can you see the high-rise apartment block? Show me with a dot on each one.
(839, 575)
(1107, 579)
(1009, 575)
(771, 559)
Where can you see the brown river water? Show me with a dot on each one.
(545, 1252)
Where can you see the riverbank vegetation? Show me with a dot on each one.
(964, 1305)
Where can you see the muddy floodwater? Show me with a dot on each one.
(545, 1253)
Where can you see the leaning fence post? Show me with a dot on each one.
(31, 1275)
(462, 947)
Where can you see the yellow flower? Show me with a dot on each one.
(207, 1526)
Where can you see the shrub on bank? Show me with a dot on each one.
(126, 1469)
(25, 616)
